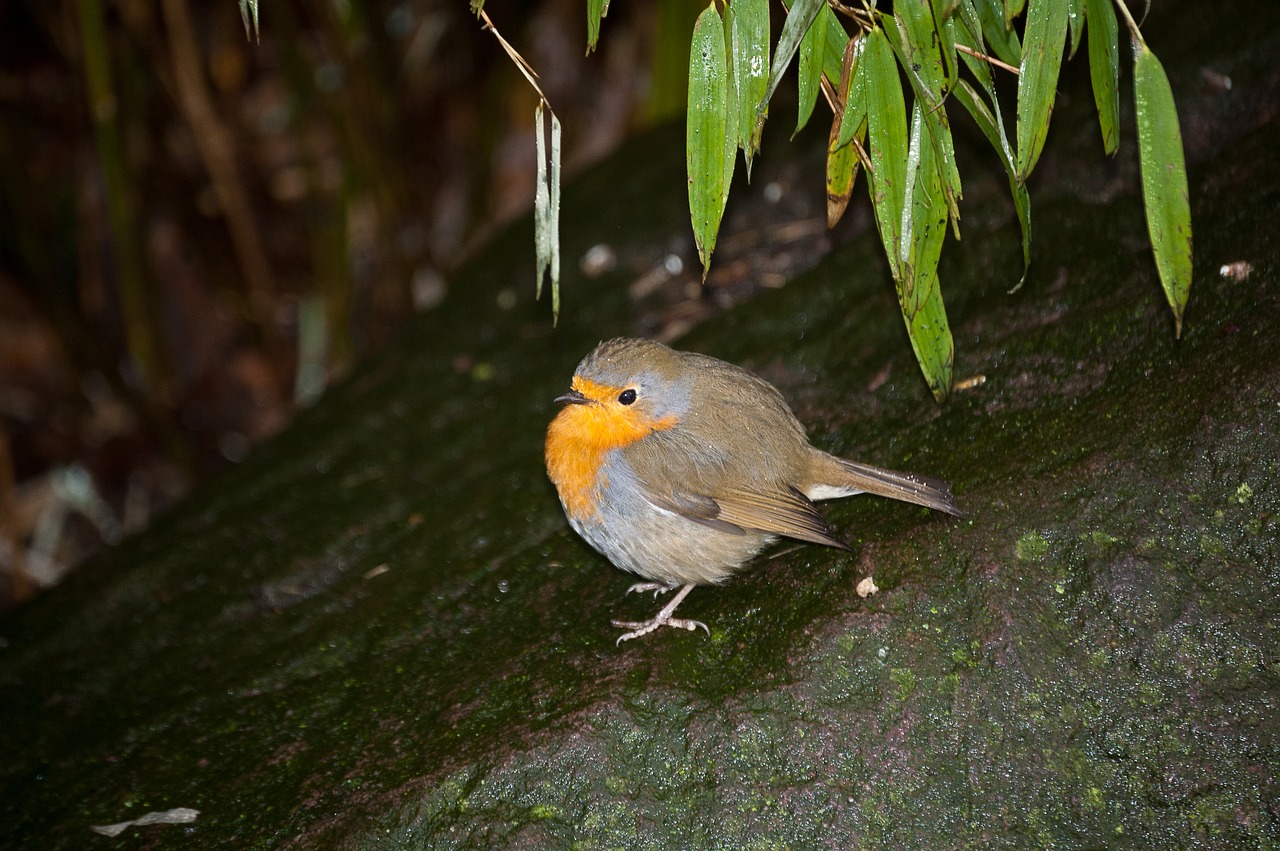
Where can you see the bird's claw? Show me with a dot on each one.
(656, 587)
(639, 628)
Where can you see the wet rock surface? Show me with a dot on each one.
(379, 631)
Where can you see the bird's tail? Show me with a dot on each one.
(835, 477)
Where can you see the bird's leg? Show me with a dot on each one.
(662, 618)
(656, 587)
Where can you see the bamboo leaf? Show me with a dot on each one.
(546, 207)
(708, 144)
(1104, 70)
(748, 23)
(842, 157)
(943, 19)
(1164, 179)
(992, 126)
(886, 143)
(1075, 24)
(916, 41)
(1042, 47)
(853, 116)
(924, 228)
(541, 203)
(813, 49)
(932, 341)
(798, 20)
(596, 11)
(1012, 9)
(837, 42)
(986, 114)
(1002, 39)
(924, 213)
(554, 180)
(918, 46)
(249, 16)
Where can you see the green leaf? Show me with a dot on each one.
(918, 46)
(798, 20)
(932, 341)
(986, 114)
(916, 41)
(1075, 22)
(748, 23)
(853, 117)
(837, 42)
(842, 156)
(813, 48)
(596, 11)
(970, 33)
(1164, 179)
(992, 126)
(886, 142)
(924, 228)
(1012, 9)
(924, 214)
(943, 16)
(1042, 46)
(710, 148)
(1104, 70)
(1003, 40)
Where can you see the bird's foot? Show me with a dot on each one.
(662, 618)
(656, 587)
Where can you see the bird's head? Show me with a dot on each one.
(623, 391)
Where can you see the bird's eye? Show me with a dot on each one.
(627, 396)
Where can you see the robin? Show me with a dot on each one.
(680, 468)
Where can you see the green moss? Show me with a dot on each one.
(1031, 546)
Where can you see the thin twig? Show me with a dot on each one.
(525, 67)
(990, 60)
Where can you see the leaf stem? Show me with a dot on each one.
(1131, 24)
(990, 60)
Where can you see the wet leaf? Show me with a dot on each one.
(986, 114)
(813, 48)
(886, 142)
(546, 207)
(1104, 70)
(850, 123)
(923, 231)
(1164, 179)
(918, 44)
(748, 25)
(837, 42)
(853, 117)
(799, 18)
(1042, 45)
(710, 149)
(1003, 40)
(1075, 24)
(1012, 9)
(992, 126)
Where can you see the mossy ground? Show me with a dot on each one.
(379, 632)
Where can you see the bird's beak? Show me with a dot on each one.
(573, 397)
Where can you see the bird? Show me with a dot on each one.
(680, 468)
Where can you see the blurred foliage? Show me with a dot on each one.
(212, 209)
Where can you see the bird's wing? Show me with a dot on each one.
(683, 471)
(778, 512)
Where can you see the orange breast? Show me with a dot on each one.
(580, 436)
